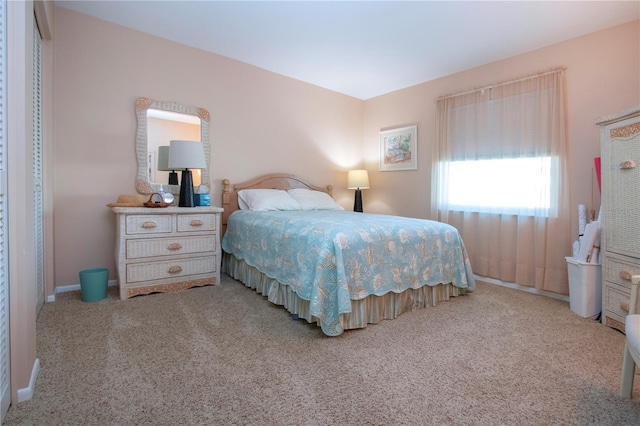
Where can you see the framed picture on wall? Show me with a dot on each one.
(399, 149)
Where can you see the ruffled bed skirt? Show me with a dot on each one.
(370, 310)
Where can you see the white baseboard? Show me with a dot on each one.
(74, 287)
(25, 394)
(522, 288)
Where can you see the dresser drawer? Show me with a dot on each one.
(151, 224)
(142, 248)
(615, 300)
(196, 222)
(619, 271)
(138, 272)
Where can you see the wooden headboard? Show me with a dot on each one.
(270, 181)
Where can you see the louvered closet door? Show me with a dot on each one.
(38, 205)
(5, 378)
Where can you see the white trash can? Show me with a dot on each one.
(585, 287)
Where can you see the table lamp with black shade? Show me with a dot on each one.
(186, 155)
(357, 179)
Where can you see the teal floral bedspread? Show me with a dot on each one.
(330, 257)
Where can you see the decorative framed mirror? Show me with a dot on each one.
(158, 123)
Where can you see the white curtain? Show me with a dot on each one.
(500, 178)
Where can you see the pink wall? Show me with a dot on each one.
(603, 77)
(261, 122)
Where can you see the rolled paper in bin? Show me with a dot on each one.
(93, 284)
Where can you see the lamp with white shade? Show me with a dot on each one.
(163, 164)
(358, 179)
(186, 155)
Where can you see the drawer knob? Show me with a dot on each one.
(174, 246)
(175, 269)
(148, 225)
(624, 306)
(625, 275)
(629, 164)
(197, 222)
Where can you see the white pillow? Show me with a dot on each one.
(313, 200)
(266, 199)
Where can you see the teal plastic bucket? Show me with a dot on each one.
(93, 284)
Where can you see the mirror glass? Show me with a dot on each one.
(159, 123)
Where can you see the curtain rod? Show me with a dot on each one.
(555, 70)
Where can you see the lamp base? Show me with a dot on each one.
(173, 178)
(357, 203)
(186, 190)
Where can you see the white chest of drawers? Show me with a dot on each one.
(620, 240)
(166, 249)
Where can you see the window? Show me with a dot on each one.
(500, 178)
(512, 185)
(499, 154)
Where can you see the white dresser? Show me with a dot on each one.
(620, 240)
(166, 249)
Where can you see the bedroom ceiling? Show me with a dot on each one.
(360, 48)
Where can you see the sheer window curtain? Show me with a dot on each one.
(500, 178)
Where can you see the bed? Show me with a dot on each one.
(339, 269)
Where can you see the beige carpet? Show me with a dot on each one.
(224, 355)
